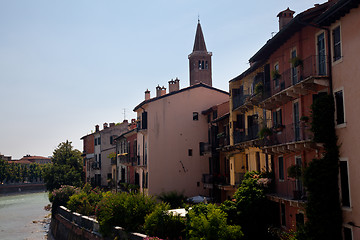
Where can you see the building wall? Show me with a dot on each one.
(171, 133)
(107, 148)
(346, 75)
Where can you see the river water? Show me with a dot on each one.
(22, 216)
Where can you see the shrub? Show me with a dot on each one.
(210, 222)
(124, 210)
(85, 201)
(163, 224)
(173, 198)
(60, 197)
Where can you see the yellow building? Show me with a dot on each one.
(247, 120)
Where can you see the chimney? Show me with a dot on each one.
(163, 91)
(97, 128)
(105, 125)
(158, 91)
(285, 17)
(147, 94)
(112, 124)
(174, 85)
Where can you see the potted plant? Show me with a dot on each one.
(259, 88)
(295, 171)
(296, 61)
(275, 74)
(304, 119)
(278, 127)
(265, 132)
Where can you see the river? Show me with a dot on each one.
(22, 216)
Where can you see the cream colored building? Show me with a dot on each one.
(171, 133)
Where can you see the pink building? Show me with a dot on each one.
(171, 131)
(343, 21)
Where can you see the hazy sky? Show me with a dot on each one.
(67, 65)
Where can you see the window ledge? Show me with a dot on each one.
(347, 209)
(342, 125)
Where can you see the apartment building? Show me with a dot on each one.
(342, 21)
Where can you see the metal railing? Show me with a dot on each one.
(96, 165)
(283, 134)
(290, 189)
(246, 134)
(311, 66)
(239, 100)
(215, 179)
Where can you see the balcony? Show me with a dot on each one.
(297, 81)
(246, 134)
(239, 100)
(223, 139)
(96, 165)
(113, 161)
(216, 180)
(128, 159)
(291, 190)
(289, 138)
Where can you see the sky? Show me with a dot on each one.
(67, 65)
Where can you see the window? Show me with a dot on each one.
(347, 233)
(283, 214)
(144, 120)
(99, 140)
(344, 182)
(276, 75)
(258, 161)
(111, 140)
(247, 162)
(281, 168)
(299, 220)
(95, 141)
(199, 64)
(277, 118)
(190, 152)
(215, 114)
(294, 76)
(321, 54)
(339, 105)
(336, 43)
(206, 65)
(195, 116)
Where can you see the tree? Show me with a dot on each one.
(66, 168)
(210, 222)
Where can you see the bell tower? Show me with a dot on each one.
(200, 60)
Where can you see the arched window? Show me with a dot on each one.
(202, 64)
(199, 64)
(206, 65)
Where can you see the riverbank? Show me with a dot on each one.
(9, 189)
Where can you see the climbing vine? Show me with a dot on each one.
(321, 177)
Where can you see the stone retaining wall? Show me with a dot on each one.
(21, 187)
(74, 226)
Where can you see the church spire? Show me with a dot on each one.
(199, 44)
(200, 60)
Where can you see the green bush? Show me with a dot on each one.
(124, 210)
(85, 201)
(210, 222)
(60, 197)
(163, 224)
(173, 198)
